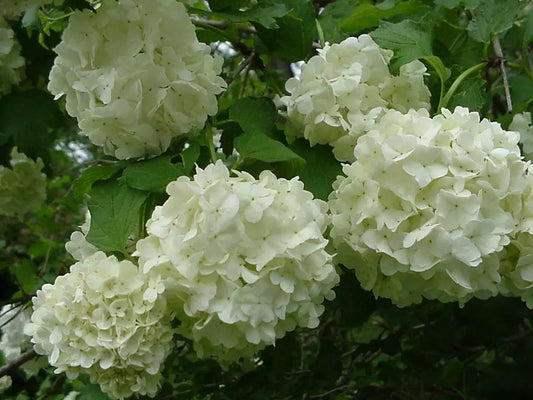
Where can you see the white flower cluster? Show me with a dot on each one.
(14, 8)
(14, 342)
(11, 62)
(245, 259)
(5, 383)
(23, 186)
(135, 75)
(343, 89)
(522, 123)
(428, 204)
(108, 320)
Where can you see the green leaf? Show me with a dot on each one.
(471, 93)
(263, 148)
(83, 184)
(521, 89)
(469, 4)
(367, 332)
(152, 175)
(254, 115)
(321, 168)
(114, 209)
(91, 392)
(409, 41)
(190, 155)
(293, 39)
(331, 16)
(367, 15)
(263, 13)
(28, 119)
(438, 66)
(528, 29)
(491, 18)
(26, 274)
(442, 72)
(227, 5)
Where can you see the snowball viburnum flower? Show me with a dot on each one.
(343, 89)
(11, 62)
(428, 204)
(102, 319)
(244, 259)
(23, 186)
(135, 75)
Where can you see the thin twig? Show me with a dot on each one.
(341, 388)
(16, 300)
(6, 369)
(241, 67)
(245, 79)
(499, 53)
(222, 24)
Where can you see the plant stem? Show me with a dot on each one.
(499, 53)
(6, 369)
(458, 81)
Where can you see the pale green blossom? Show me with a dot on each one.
(11, 62)
(5, 383)
(23, 186)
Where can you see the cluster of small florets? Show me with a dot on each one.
(428, 204)
(11, 62)
(106, 319)
(245, 258)
(342, 91)
(135, 75)
(23, 186)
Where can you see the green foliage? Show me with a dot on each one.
(408, 39)
(292, 40)
(114, 209)
(367, 15)
(493, 17)
(152, 175)
(320, 170)
(84, 183)
(254, 115)
(28, 120)
(263, 148)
